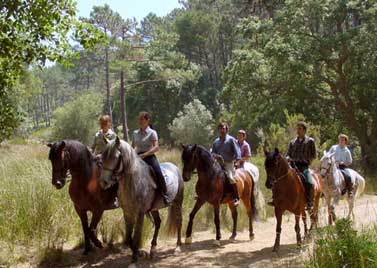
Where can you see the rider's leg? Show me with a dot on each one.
(309, 188)
(347, 180)
(161, 184)
(231, 174)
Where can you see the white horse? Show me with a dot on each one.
(334, 184)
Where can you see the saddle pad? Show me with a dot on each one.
(252, 170)
(172, 176)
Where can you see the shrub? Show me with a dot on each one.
(342, 246)
(77, 119)
(193, 124)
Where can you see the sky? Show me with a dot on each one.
(129, 8)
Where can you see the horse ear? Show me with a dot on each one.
(50, 145)
(276, 151)
(183, 146)
(61, 145)
(324, 153)
(117, 142)
(265, 152)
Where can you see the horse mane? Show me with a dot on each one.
(207, 160)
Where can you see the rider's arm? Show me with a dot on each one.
(236, 150)
(247, 155)
(348, 159)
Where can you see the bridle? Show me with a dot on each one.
(118, 167)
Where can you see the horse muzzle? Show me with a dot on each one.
(59, 184)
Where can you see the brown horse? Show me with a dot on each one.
(289, 194)
(212, 187)
(84, 190)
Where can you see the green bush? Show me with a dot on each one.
(343, 246)
(77, 119)
(193, 125)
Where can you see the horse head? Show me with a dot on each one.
(60, 159)
(326, 163)
(189, 160)
(272, 164)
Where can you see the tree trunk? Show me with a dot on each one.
(108, 101)
(123, 106)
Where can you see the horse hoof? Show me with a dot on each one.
(217, 243)
(132, 265)
(177, 250)
(232, 238)
(152, 253)
(143, 254)
(251, 237)
(188, 240)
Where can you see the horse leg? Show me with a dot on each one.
(351, 202)
(297, 228)
(233, 209)
(137, 238)
(129, 230)
(93, 226)
(250, 212)
(216, 209)
(177, 206)
(304, 220)
(84, 223)
(279, 218)
(329, 210)
(157, 224)
(199, 203)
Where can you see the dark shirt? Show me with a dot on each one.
(302, 150)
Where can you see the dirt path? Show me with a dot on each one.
(241, 253)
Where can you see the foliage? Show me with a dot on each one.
(342, 246)
(313, 57)
(193, 125)
(33, 31)
(77, 119)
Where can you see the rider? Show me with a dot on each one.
(145, 140)
(104, 132)
(244, 147)
(226, 150)
(301, 153)
(343, 159)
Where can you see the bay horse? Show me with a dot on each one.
(289, 194)
(84, 189)
(138, 196)
(334, 185)
(212, 187)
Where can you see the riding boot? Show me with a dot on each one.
(309, 197)
(235, 194)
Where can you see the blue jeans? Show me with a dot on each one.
(152, 161)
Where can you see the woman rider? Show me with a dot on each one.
(145, 141)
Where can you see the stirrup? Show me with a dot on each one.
(166, 199)
(236, 201)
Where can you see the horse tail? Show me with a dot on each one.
(361, 185)
(253, 201)
(172, 220)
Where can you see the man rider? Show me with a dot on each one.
(301, 153)
(343, 159)
(226, 150)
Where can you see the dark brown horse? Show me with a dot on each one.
(289, 194)
(84, 189)
(212, 187)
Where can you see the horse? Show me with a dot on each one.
(84, 189)
(138, 196)
(289, 194)
(212, 187)
(335, 185)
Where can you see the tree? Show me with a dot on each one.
(33, 31)
(317, 58)
(193, 125)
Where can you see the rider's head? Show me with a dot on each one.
(343, 140)
(241, 135)
(223, 129)
(144, 120)
(105, 123)
(301, 129)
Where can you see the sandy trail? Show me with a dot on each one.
(240, 253)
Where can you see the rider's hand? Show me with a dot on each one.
(143, 156)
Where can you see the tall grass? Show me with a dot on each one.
(34, 216)
(343, 246)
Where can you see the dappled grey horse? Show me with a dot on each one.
(137, 193)
(334, 185)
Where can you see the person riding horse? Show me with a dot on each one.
(227, 152)
(343, 159)
(244, 148)
(301, 153)
(145, 141)
(104, 132)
